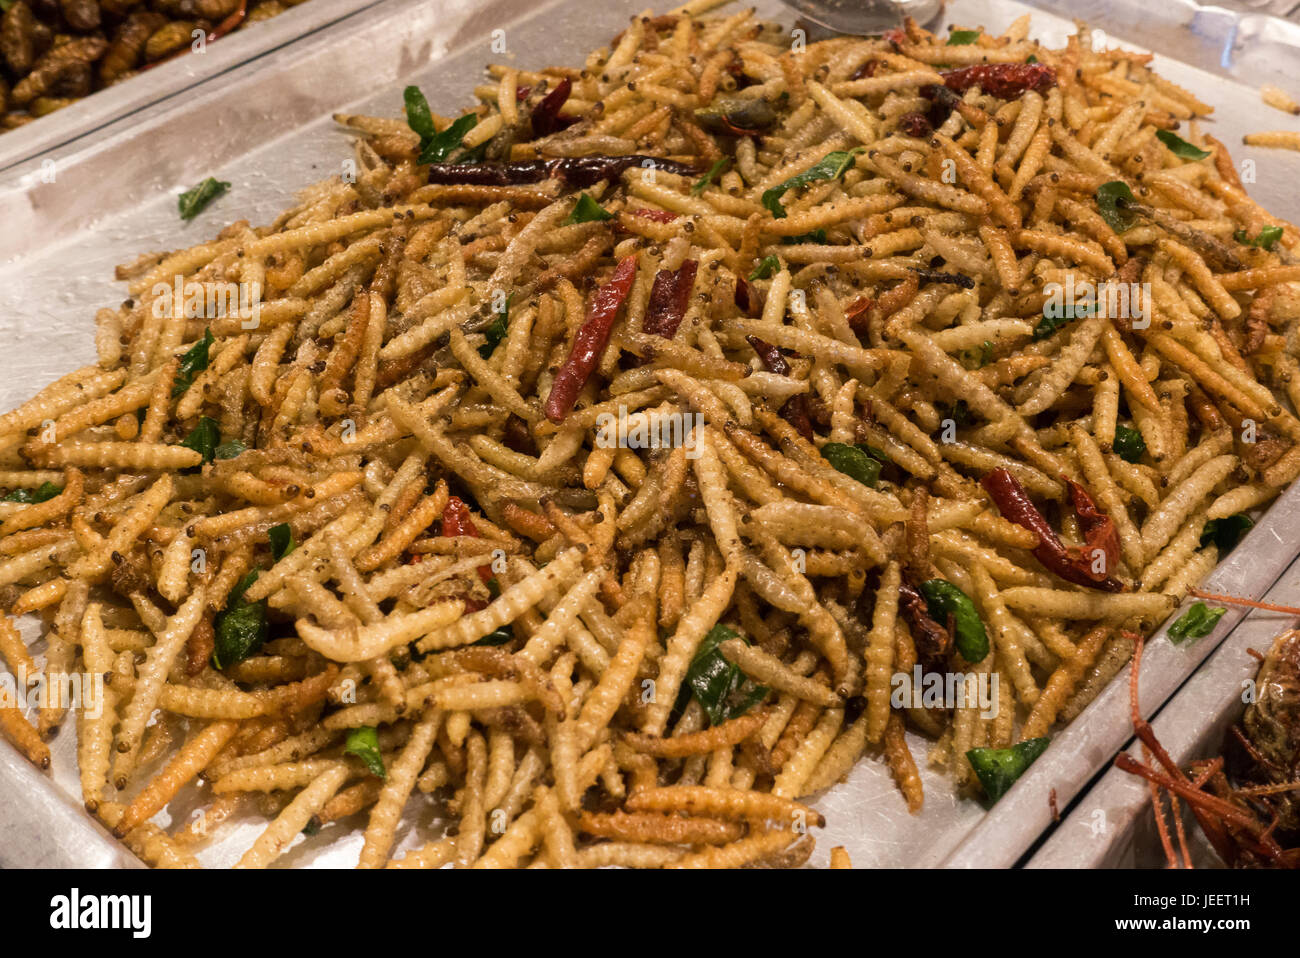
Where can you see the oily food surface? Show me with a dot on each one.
(605, 463)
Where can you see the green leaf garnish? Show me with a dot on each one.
(1225, 533)
(998, 768)
(959, 412)
(282, 543)
(718, 685)
(1051, 322)
(1180, 147)
(241, 629)
(42, 493)
(860, 462)
(418, 117)
(1196, 622)
(1268, 235)
(497, 330)
(363, 742)
(192, 202)
(193, 362)
(1112, 198)
(438, 147)
(229, 450)
(588, 210)
(204, 438)
(831, 167)
(1031, 59)
(816, 236)
(1128, 444)
(977, 358)
(500, 637)
(962, 38)
(944, 600)
(766, 267)
(715, 170)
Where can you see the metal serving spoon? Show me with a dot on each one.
(863, 17)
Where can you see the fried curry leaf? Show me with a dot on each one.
(1180, 147)
(962, 38)
(977, 358)
(229, 450)
(497, 330)
(715, 170)
(1128, 444)
(831, 167)
(767, 266)
(418, 117)
(363, 742)
(42, 493)
(500, 637)
(439, 146)
(944, 600)
(859, 462)
(998, 768)
(588, 210)
(1112, 203)
(816, 236)
(241, 629)
(193, 202)
(1195, 623)
(1268, 235)
(720, 686)
(1225, 533)
(282, 543)
(193, 362)
(204, 438)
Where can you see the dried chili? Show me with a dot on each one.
(456, 521)
(590, 342)
(1098, 529)
(933, 642)
(668, 299)
(795, 411)
(1006, 81)
(1069, 564)
(577, 171)
(546, 117)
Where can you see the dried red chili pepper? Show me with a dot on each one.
(522, 93)
(858, 315)
(1006, 81)
(590, 342)
(668, 299)
(576, 171)
(1098, 529)
(745, 298)
(456, 521)
(795, 411)
(546, 115)
(933, 642)
(867, 69)
(1069, 564)
(915, 124)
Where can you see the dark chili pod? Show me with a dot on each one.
(668, 299)
(590, 342)
(1014, 504)
(795, 411)
(577, 171)
(546, 115)
(659, 216)
(456, 521)
(933, 642)
(1006, 81)
(745, 298)
(915, 124)
(858, 315)
(1098, 528)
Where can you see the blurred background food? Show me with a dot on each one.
(54, 52)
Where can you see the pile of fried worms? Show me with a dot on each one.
(592, 464)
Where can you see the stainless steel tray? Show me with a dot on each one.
(1112, 826)
(170, 79)
(265, 128)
